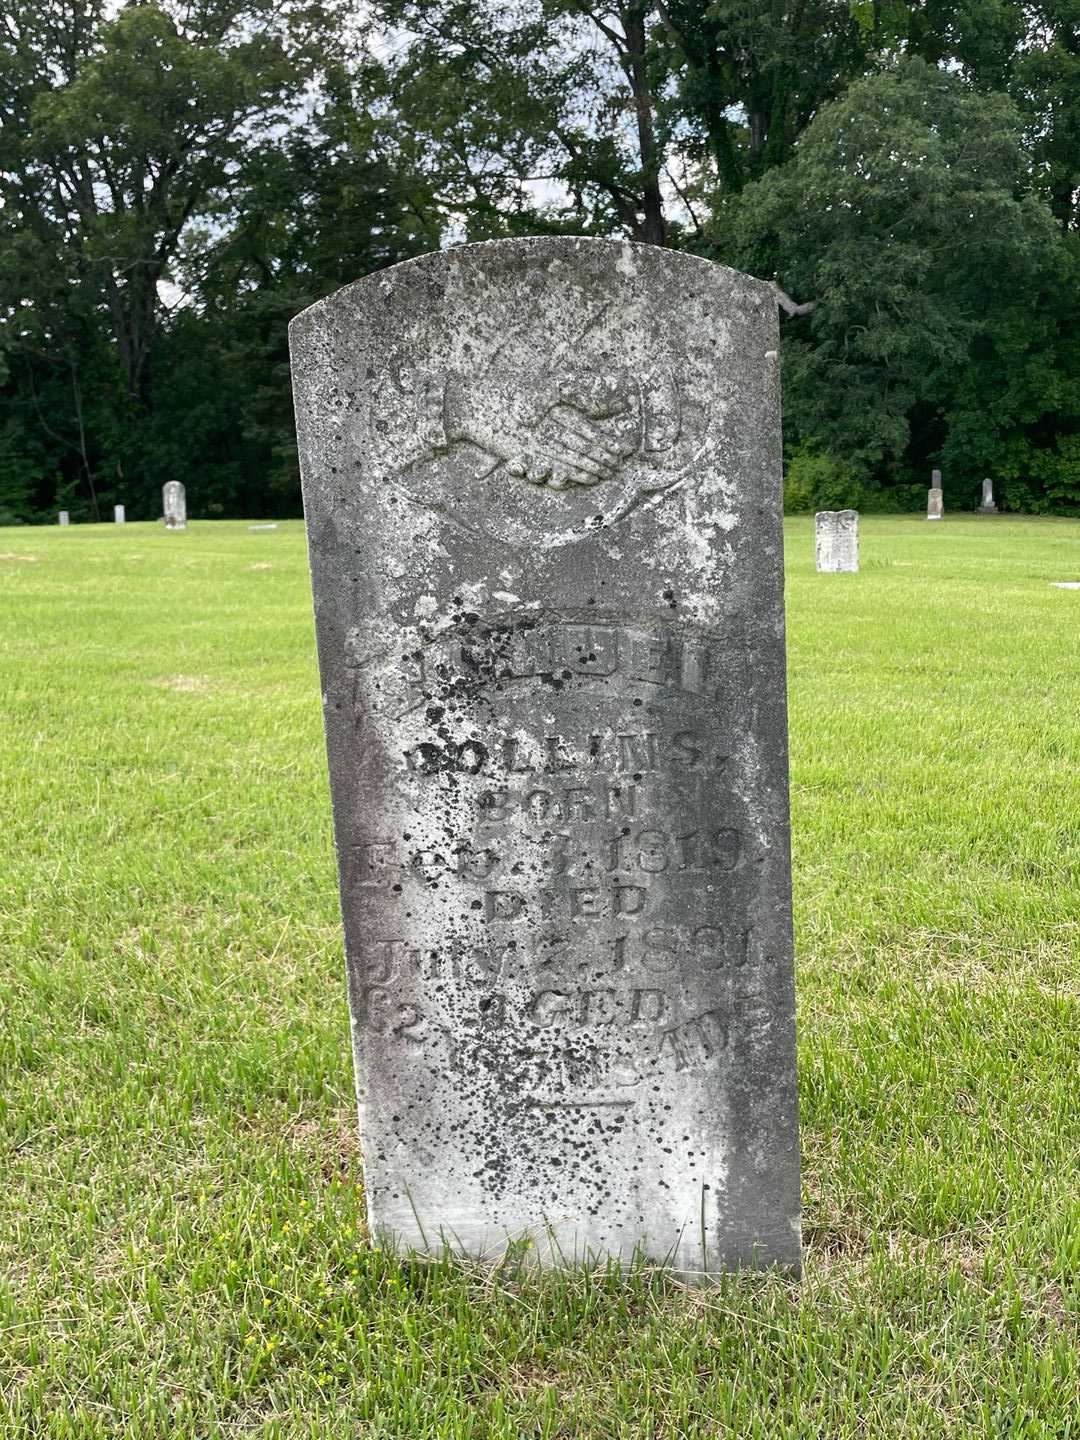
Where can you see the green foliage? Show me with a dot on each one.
(904, 214)
(1044, 480)
(176, 181)
(814, 480)
(16, 474)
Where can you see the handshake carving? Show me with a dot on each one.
(577, 429)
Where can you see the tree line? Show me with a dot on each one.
(179, 178)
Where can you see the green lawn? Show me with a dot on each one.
(182, 1247)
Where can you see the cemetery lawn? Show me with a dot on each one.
(182, 1244)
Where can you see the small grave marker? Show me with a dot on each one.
(987, 507)
(836, 540)
(174, 500)
(935, 505)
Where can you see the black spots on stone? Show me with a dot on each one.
(595, 522)
(434, 713)
(461, 616)
(468, 758)
(669, 596)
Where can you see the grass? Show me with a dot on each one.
(182, 1247)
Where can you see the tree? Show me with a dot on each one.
(620, 116)
(154, 120)
(117, 133)
(907, 214)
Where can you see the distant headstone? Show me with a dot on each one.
(118, 514)
(542, 489)
(988, 507)
(935, 505)
(262, 527)
(836, 540)
(174, 499)
(64, 518)
(1065, 584)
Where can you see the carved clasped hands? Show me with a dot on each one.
(578, 429)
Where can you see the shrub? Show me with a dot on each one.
(814, 480)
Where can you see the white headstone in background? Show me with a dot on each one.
(175, 503)
(935, 502)
(988, 507)
(65, 518)
(118, 514)
(836, 540)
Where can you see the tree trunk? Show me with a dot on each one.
(654, 228)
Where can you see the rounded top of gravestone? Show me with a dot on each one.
(536, 390)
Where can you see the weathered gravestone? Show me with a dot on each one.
(542, 490)
(118, 514)
(836, 540)
(64, 517)
(174, 501)
(935, 505)
(988, 507)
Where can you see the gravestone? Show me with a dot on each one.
(174, 500)
(542, 490)
(118, 514)
(64, 518)
(836, 540)
(935, 505)
(988, 507)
